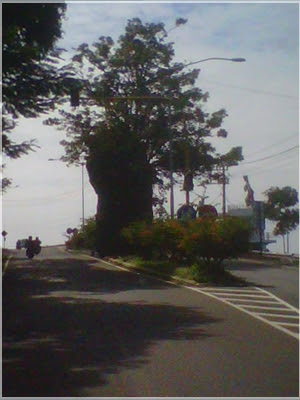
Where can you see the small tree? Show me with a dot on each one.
(280, 208)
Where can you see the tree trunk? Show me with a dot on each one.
(124, 189)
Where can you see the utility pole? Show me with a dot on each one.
(82, 191)
(223, 191)
(171, 176)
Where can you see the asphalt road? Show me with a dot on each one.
(279, 279)
(75, 326)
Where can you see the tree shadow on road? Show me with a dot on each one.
(59, 345)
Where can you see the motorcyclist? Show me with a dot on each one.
(29, 243)
(29, 246)
(37, 245)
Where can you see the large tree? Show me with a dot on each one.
(29, 71)
(280, 208)
(140, 114)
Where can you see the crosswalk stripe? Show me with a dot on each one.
(279, 315)
(260, 304)
(263, 296)
(280, 300)
(267, 308)
(229, 290)
(287, 324)
(253, 301)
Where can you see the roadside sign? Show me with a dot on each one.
(186, 212)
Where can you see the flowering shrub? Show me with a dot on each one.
(206, 240)
(158, 240)
(215, 239)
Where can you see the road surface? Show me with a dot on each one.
(78, 327)
(279, 279)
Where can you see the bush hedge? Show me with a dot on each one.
(206, 240)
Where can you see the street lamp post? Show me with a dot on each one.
(82, 191)
(236, 59)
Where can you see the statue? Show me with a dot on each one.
(249, 200)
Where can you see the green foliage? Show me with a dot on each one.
(279, 208)
(29, 75)
(232, 157)
(133, 100)
(29, 72)
(158, 240)
(85, 238)
(208, 239)
(214, 239)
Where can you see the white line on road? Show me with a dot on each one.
(251, 300)
(267, 308)
(244, 308)
(215, 294)
(211, 289)
(287, 323)
(280, 300)
(263, 296)
(279, 315)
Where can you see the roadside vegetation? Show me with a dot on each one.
(193, 250)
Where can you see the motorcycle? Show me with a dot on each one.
(37, 249)
(33, 249)
(30, 252)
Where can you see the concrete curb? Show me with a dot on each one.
(132, 268)
(174, 278)
(147, 271)
(6, 265)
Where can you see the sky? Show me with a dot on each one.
(261, 97)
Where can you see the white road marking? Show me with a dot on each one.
(216, 293)
(253, 301)
(287, 323)
(263, 296)
(279, 315)
(267, 308)
(255, 307)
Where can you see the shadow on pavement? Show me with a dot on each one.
(57, 345)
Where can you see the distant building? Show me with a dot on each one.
(259, 239)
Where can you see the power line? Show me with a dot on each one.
(256, 170)
(271, 156)
(265, 92)
(274, 144)
(47, 199)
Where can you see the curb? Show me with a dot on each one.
(6, 265)
(146, 271)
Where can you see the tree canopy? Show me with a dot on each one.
(280, 207)
(29, 70)
(139, 115)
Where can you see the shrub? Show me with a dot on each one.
(204, 242)
(158, 240)
(138, 237)
(85, 238)
(215, 239)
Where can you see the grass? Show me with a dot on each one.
(197, 274)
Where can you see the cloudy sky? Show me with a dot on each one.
(261, 97)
